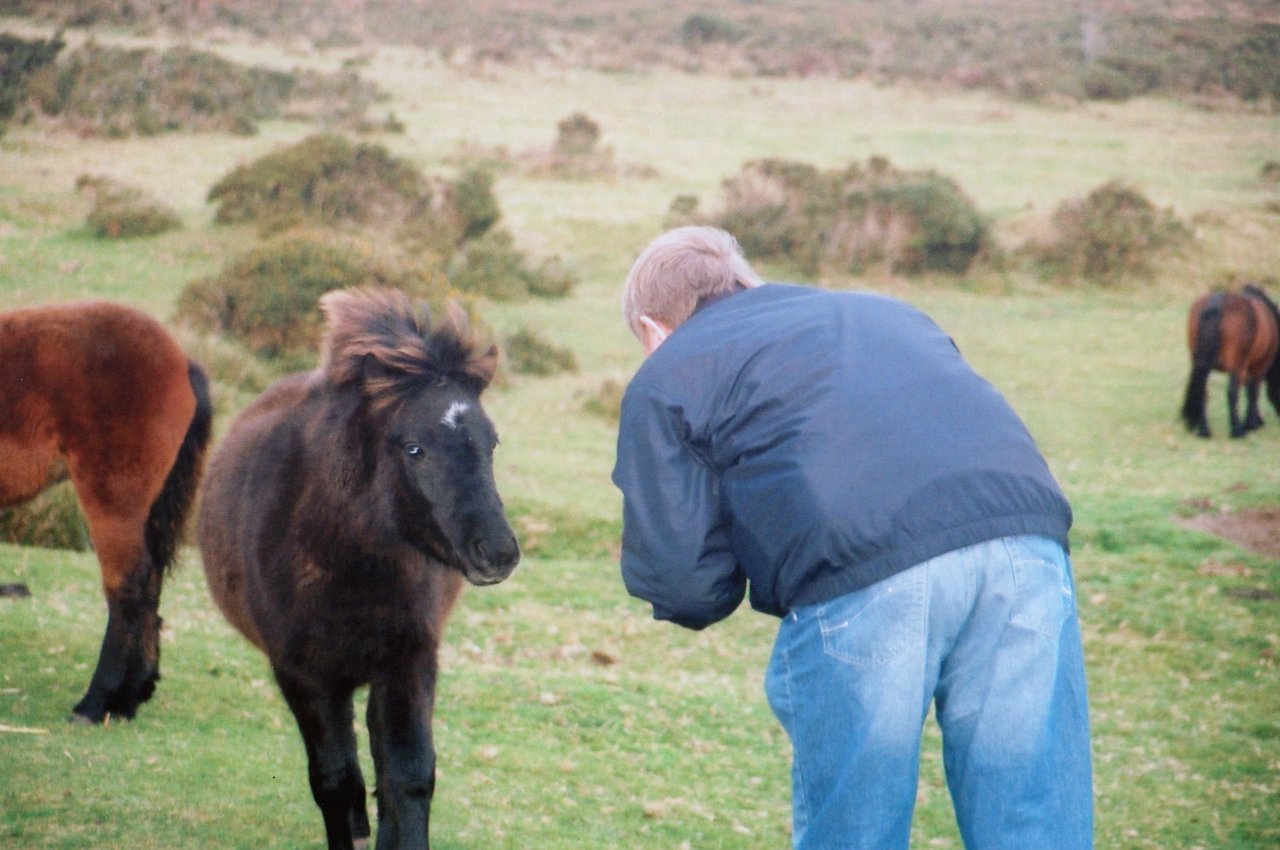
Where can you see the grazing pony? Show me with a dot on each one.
(339, 518)
(1236, 333)
(102, 394)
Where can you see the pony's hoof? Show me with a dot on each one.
(84, 720)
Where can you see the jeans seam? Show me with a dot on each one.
(798, 789)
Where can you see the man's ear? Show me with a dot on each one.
(653, 332)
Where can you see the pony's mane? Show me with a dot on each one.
(383, 340)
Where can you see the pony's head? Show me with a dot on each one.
(429, 442)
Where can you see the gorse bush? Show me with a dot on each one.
(268, 297)
(123, 212)
(494, 267)
(326, 179)
(606, 401)
(121, 92)
(529, 353)
(576, 135)
(576, 153)
(851, 219)
(699, 29)
(19, 58)
(362, 190)
(52, 520)
(474, 205)
(1113, 232)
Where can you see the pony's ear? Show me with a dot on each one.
(482, 367)
(375, 376)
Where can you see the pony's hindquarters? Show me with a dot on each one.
(104, 394)
(136, 511)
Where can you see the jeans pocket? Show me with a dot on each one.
(877, 625)
(1042, 575)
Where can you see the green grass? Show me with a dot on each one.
(566, 717)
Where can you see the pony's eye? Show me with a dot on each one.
(413, 450)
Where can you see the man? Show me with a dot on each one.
(833, 454)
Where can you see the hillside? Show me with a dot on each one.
(1102, 49)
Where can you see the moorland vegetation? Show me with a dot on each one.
(1041, 49)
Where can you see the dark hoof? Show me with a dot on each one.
(84, 720)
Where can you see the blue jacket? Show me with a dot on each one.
(809, 443)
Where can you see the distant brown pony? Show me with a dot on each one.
(1237, 333)
(102, 394)
(340, 516)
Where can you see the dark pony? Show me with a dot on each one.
(1236, 333)
(340, 517)
(102, 394)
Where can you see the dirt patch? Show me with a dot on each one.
(1257, 529)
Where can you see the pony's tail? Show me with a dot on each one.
(1203, 357)
(169, 511)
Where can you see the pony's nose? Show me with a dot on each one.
(495, 558)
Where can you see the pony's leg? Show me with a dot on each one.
(1253, 415)
(129, 661)
(400, 708)
(325, 720)
(1233, 402)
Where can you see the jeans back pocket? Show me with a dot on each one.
(1045, 597)
(877, 625)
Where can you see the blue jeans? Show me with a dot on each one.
(988, 633)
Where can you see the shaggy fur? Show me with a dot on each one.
(340, 517)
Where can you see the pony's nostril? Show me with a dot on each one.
(480, 552)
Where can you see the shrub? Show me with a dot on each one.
(550, 279)
(528, 353)
(120, 92)
(682, 211)
(474, 202)
(494, 267)
(123, 212)
(1250, 69)
(52, 520)
(1103, 82)
(19, 58)
(325, 179)
(267, 298)
(699, 29)
(576, 135)
(911, 221)
(1114, 231)
(606, 401)
(576, 153)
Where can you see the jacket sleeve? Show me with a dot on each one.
(675, 543)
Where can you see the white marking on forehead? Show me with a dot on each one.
(451, 415)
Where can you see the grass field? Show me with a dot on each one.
(566, 717)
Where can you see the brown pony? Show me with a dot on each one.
(102, 394)
(339, 519)
(1236, 333)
